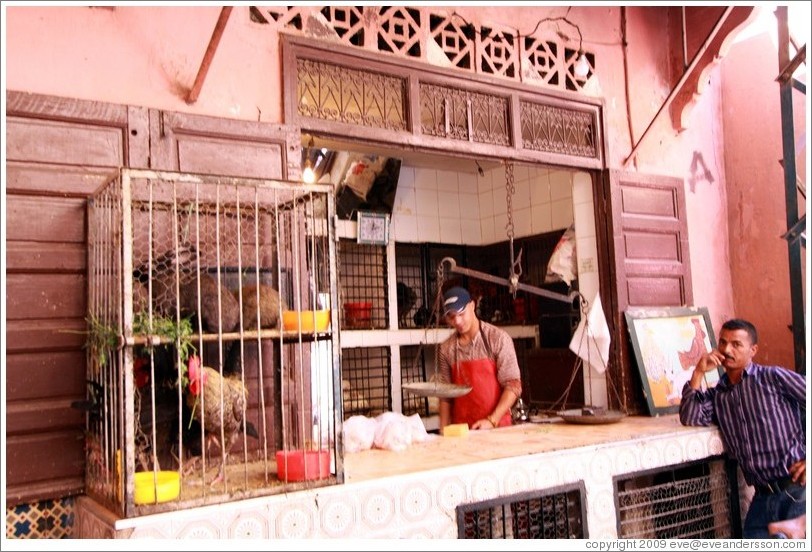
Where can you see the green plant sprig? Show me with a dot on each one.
(179, 333)
(102, 339)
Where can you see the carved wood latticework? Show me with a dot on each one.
(440, 38)
(339, 91)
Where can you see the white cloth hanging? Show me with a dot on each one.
(592, 338)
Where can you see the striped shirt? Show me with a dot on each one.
(759, 419)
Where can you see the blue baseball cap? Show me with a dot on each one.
(454, 300)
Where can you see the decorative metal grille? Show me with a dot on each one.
(558, 513)
(335, 93)
(552, 129)
(452, 113)
(695, 501)
(366, 373)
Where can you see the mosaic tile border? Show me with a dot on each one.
(48, 519)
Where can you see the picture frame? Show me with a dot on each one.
(373, 228)
(668, 342)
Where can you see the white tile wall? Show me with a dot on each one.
(466, 208)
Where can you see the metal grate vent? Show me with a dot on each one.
(367, 375)
(413, 309)
(413, 368)
(558, 513)
(362, 285)
(689, 501)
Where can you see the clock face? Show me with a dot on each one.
(373, 228)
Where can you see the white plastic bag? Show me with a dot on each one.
(359, 433)
(563, 265)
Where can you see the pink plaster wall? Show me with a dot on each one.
(149, 56)
(755, 198)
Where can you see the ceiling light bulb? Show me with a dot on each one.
(581, 66)
(308, 176)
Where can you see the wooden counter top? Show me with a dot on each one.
(519, 440)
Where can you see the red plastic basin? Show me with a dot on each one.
(299, 465)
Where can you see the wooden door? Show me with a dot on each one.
(58, 152)
(646, 238)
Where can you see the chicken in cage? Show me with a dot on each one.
(208, 373)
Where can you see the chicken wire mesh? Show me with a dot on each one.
(210, 348)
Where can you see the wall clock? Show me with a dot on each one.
(373, 228)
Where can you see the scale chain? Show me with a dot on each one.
(515, 261)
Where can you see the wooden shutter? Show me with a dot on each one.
(648, 247)
(58, 152)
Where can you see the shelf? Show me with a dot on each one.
(287, 337)
(378, 338)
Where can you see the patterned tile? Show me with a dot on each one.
(48, 519)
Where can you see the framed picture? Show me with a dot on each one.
(373, 228)
(668, 342)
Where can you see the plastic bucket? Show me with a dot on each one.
(358, 315)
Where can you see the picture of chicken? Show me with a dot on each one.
(219, 420)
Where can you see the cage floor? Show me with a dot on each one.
(242, 480)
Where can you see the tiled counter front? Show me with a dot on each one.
(414, 493)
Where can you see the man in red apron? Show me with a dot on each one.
(480, 355)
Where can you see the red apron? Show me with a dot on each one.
(480, 402)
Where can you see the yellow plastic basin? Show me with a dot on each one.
(168, 486)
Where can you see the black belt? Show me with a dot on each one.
(774, 487)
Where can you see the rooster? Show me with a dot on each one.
(217, 414)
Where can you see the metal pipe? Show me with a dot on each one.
(684, 41)
(209, 55)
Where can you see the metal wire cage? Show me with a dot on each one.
(210, 346)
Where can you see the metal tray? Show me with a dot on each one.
(583, 416)
(437, 389)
